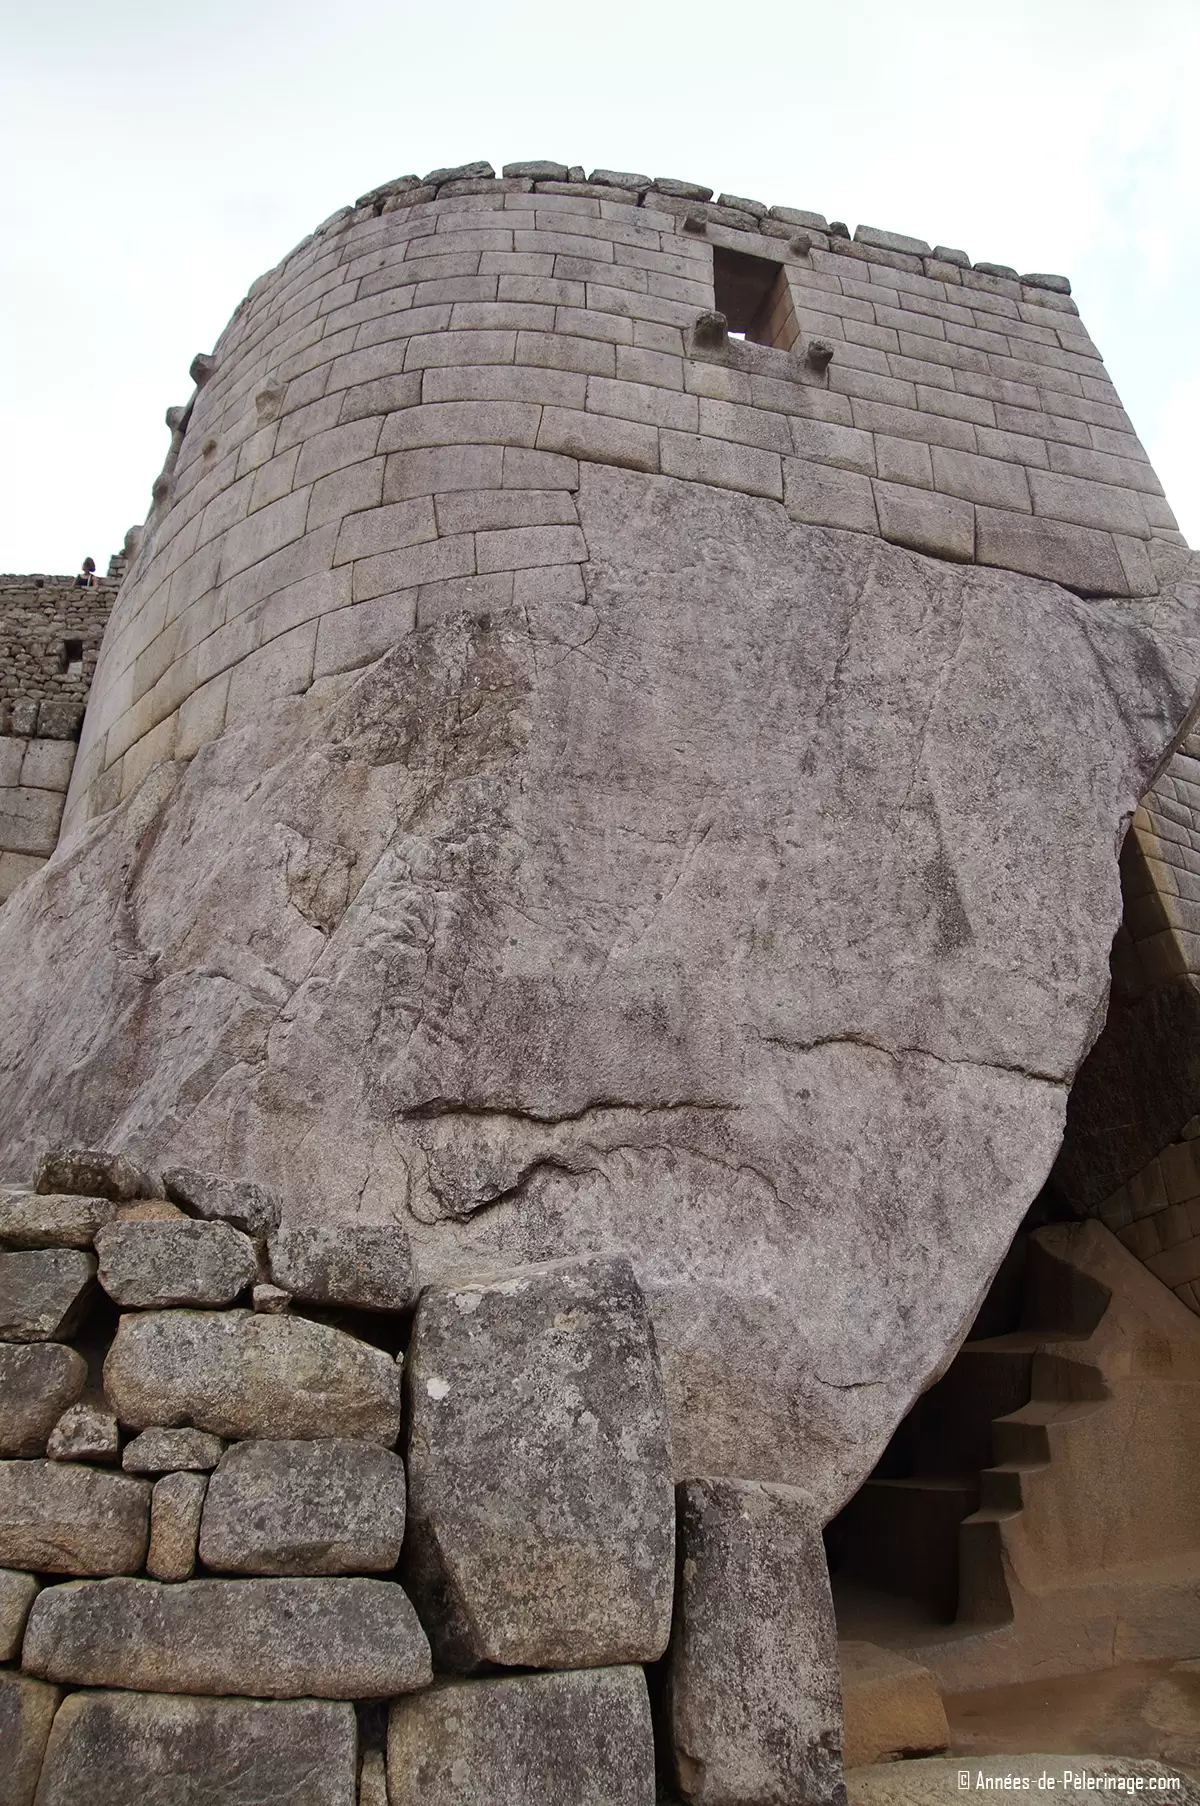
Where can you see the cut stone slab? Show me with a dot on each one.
(150, 1266)
(17, 1594)
(541, 1512)
(29, 1219)
(175, 1508)
(84, 1433)
(37, 1383)
(91, 1173)
(892, 1706)
(57, 1518)
(121, 1748)
(330, 1507)
(752, 1674)
(43, 1294)
(754, 973)
(362, 1264)
(372, 1779)
(934, 1781)
(241, 1374)
(249, 1207)
(581, 1737)
(270, 1639)
(160, 1451)
(27, 1709)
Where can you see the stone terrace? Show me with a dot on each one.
(391, 426)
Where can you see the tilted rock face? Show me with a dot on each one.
(749, 918)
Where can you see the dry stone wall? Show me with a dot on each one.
(208, 1534)
(392, 428)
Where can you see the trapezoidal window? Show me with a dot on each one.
(753, 294)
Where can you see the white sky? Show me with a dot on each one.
(157, 157)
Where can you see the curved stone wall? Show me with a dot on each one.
(391, 428)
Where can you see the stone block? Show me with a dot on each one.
(941, 525)
(270, 1639)
(15, 868)
(47, 765)
(140, 1749)
(90, 1174)
(533, 1540)
(249, 1207)
(723, 463)
(160, 1451)
(874, 237)
(412, 566)
(892, 1706)
(386, 529)
(27, 1711)
(549, 583)
(148, 1266)
(583, 1738)
(1075, 556)
(329, 1507)
(821, 497)
(84, 1433)
(524, 548)
(357, 636)
(1088, 504)
(59, 1519)
(30, 1219)
(240, 1374)
(753, 1692)
(176, 1504)
(827, 443)
(271, 1299)
(17, 1593)
(43, 1293)
(472, 510)
(539, 169)
(447, 423)
(37, 1383)
(903, 461)
(600, 437)
(991, 481)
(365, 1265)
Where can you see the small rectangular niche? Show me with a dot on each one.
(71, 659)
(753, 294)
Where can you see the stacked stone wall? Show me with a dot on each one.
(392, 427)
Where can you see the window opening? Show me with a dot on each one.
(72, 658)
(753, 294)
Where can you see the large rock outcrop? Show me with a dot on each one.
(750, 918)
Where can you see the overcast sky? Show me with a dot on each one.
(157, 157)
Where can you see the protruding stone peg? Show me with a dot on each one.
(710, 330)
(818, 354)
(695, 222)
(202, 367)
(801, 245)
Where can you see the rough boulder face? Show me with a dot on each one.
(749, 918)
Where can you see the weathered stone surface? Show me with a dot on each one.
(363, 1264)
(27, 1711)
(175, 1508)
(84, 1433)
(59, 1519)
(752, 1676)
(37, 1383)
(710, 936)
(95, 1174)
(160, 1451)
(17, 1594)
(147, 1266)
(273, 1301)
(30, 1219)
(541, 1530)
(891, 1706)
(237, 1373)
(330, 1507)
(583, 1737)
(124, 1749)
(372, 1779)
(43, 1293)
(271, 1639)
(249, 1207)
(1079, 1780)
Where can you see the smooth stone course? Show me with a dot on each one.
(84, 1433)
(159, 1451)
(891, 1706)
(330, 1507)
(30, 1219)
(37, 1383)
(583, 1738)
(249, 1207)
(270, 1639)
(58, 1518)
(140, 1749)
(43, 1293)
(362, 1264)
(150, 1266)
(241, 1374)
(175, 1508)
(27, 1709)
(91, 1173)
(17, 1594)
(752, 1677)
(541, 1511)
